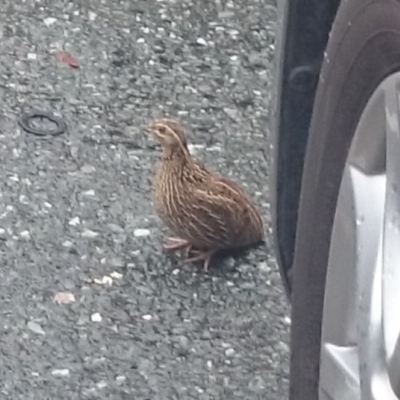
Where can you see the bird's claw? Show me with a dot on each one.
(202, 256)
(177, 244)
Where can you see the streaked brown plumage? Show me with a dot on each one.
(206, 211)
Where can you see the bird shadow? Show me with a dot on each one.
(219, 264)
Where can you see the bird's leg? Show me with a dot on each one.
(203, 256)
(176, 244)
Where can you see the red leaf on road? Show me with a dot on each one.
(66, 58)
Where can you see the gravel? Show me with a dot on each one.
(76, 207)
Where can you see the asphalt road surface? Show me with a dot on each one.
(75, 210)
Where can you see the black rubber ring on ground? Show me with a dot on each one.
(26, 126)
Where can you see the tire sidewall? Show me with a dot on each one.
(363, 49)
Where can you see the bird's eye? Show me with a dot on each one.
(162, 129)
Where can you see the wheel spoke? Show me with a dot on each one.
(391, 238)
(360, 349)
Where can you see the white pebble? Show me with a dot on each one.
(140, 40)
(31, 56)
(101, 384)
(89, 192)
(96, 317)
(141, 232)
(288, 320)
(60, 372)
(105, 280)
(193, 147)
(25, 234)
(116, 275)
(89, 234)
(92, 16)
(214, 148)
(67, 243)
(120, 378)
(229, 352)
(49, 21)
(74, 221)
(201, 42)
(147, 317)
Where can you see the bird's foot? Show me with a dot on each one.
(176, 243)
(202, 256)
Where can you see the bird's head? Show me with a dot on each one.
(170, 134)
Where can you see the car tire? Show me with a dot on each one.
(363, 49)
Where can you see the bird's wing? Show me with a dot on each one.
(225, 211)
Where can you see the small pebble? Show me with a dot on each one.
(257, 384)
(96, 317)
(141, 232)
(230, 262)
(147, 317)
(231, 113)
(60, 372)
(229, 352)
(105, 280)
(74, 221)
(90, 192)
(36, 328)
(25, 234)
(87, 169)
(115, 228)
(64, 298)
(32, 56)
(201, 42)
(92, 15)
(116, 275)
(49, 21)
(116, 262)
(120, 378)
(89, 234)
(183, 345)
(101, 384)
(263, 266)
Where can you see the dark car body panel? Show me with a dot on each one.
(302, 35)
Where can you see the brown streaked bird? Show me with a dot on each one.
(206, 211)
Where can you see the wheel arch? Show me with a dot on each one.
(302, 36)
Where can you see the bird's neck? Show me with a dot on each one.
(177, 163)
(177, 155)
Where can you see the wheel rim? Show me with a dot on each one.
(360, 347)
